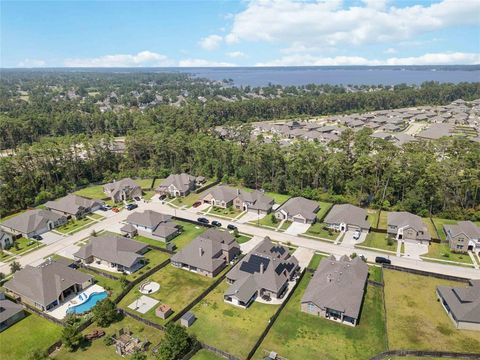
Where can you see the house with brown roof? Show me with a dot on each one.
(463, 236)
(74, 206)
(345, 217)
(33, 222)
(298, 209)
(208, 254)
(224, 196)
(161, 226)
(336, 290)
(179, 184)
(122, 190)
(405, 226)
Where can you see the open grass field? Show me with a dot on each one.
(417, 321)
(298, 336)
(228, 327)
(442, 251)
(178, 288)
(324, 209)
(97, 349)
(379, 241)
(318, 230)
(23, 244)
(206, 355)
(26, 336)
(373, 217)
(75, 225)
(439, 225)
(383, 222)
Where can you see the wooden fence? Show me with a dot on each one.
(426, 354)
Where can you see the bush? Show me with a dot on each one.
(108, 340)
(274, 219)
(390, 241)
(176, 344)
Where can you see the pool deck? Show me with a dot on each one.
(60, 312)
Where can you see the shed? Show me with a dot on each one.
(187, 319)
(163, 311)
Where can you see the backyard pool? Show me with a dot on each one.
(87, 305)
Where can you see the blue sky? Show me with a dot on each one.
(242, 33)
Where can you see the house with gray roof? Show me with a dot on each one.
(33, 222)
(122, 190)
(405, 226)
(208, 254)
(463, 236)
(161, 226)
(436, 131)
(255, 201)
(345, 217)
(298, 209)
(462, 304)
(10, 312)
(336, 290)
(265, 271)
(73, 206)
(47, 285)
(220, 196)
(114, 252)
(6, 240)
(179, 184)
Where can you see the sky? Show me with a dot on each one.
(200, 33)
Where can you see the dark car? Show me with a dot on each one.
(131, 206)
(197, 204)
(231, 227)
(216, 223)
(382, 260)
(203, 220)
(37, 237)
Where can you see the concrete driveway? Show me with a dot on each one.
(69, 251)
(199, 209)
(50, 238)
(250, 216)
(297, 228)
(348, 239)
(250, 244)
(303, 256)
(414, 250)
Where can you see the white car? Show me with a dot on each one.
(356, 235)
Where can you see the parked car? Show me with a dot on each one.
(203, 220)
(105, 207)
(216, 223)
(37, 237)
(136, 198)
(356, 235)
(197, 204)
(131, 206)
(115, 210)
(382, 260)
(231, 227)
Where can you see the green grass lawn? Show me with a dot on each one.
(297, 335)
(415, 318)
(318, 230)
(442, 251)
(24, 244)
(29, 334)
(178, 288)
(146, 184)
(147, 195)
(74, 225)
(97, 349)
(439, 225)
(267, 221)
(324, 209)
(379, 241)
(315, 260)
(228, 327)
(92, 192)
(278, 198)
(373, 217)
(383, 222)
(206, 355)
(431, 229)
(375, 273)
(114, 286)
(230, 212)
(188, 200)
(243, 238)
(96, 216)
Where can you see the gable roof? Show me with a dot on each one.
(182, 182)
(300, 206)
(348, 214)
(112, 248)
(223, 193)
(72, 204)
(257, 200)
(31, 220)
(403, 219)
(338, 285)
(117, 186)
(464, 303)
(468, 228)
(45, 283)
(148, 218)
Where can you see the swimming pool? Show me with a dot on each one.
(87, 305)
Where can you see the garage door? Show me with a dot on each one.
(299, 220)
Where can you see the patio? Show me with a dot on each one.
(60, 311)
(143, 304)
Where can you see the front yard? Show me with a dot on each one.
(266, 221)
(32, 333)
(297, 335)
(229, 212)
(379, 241)
(75, 225)
(23, 244)
(417, 321)
(442, 252)
(320, 230)
(228, 327)
(187, 201)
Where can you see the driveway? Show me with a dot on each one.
(69, 251)
(250, 244)
(297, 228)
(51, 237)
(348, 239)
(250, 216)
(303, 256)
(200, 208)
(414, 250)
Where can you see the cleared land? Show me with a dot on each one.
(379, 241)
(417, 321)
(228, 327)
(32, 333)
(442, 251)
(298, 336)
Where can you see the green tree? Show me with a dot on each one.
(15, 266)
(38, 355)
(175, 344)
(71, 337)
(105, 313)
(138, 355)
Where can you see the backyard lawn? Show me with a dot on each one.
(146, 184)
(75, 225)
(324, 209)
(108, 284)
(92, 192)
(29, 334)
(228, 327)
(415, 318)
(298, 336)
(318, 230)
(439, 225)
(383, 222)
(278, 198)
(379, 241)
(373, 217)
(442, 251)
(206, 355)
(375, 273)
(430, 227)
(178, 288)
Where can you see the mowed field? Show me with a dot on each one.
(417, 321)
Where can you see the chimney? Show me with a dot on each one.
(262, 269)
(200, 251)
(238, 191)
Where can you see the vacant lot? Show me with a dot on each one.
(439, 225)
(442, 251)
(379, 241)
(417, 321)
(298, 336)
(26, 336)
(227, 327)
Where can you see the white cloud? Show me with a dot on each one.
(390, 51)
(143, 58)
(31, 63)
(202, 63)
(426, 59)
(328, 23)
(236, 54)
(210, 42)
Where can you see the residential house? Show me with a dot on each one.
(6, 240)
(47, 285)
(336, 290)
(347, 217)
(255, 201)
(10, 312)
(463, 236)
(406, 226)
(161, 226)
(265, 271)
(74, 206)
(298, 209)
(208, 254)
(179, 184)
(462, 304)
(220, 196)
(33, 222)
(113, 252)
(122, 190)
